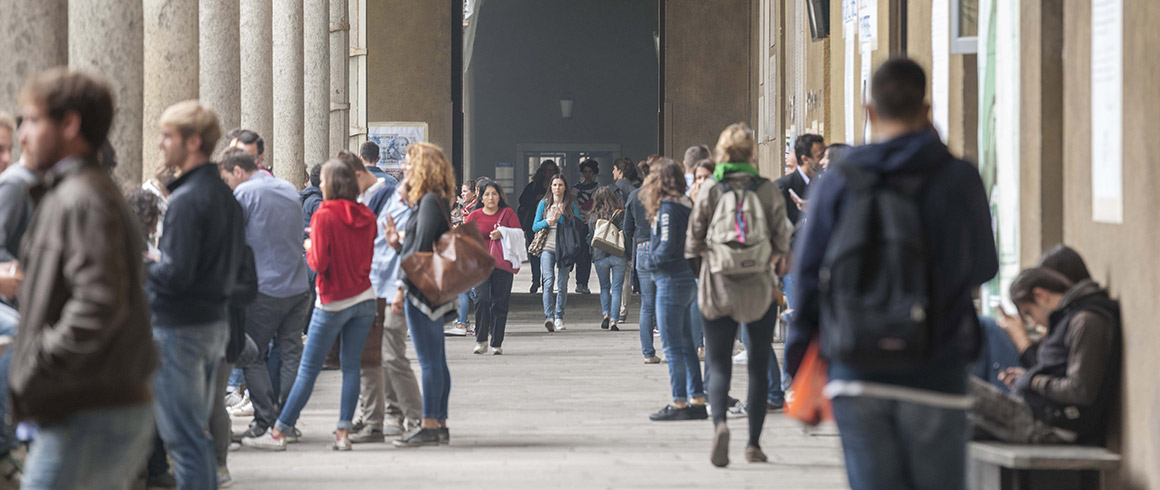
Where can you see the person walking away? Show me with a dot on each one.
(272, 212)
(369, 154)
(584, 191)
(189, 287)
(493, 296)
(610, 268)
(530, 199)
(624, 178)
(737, 229)
(668, 209)
(902, 412)
(430, 186)
(468, 198)
(553, 273)
(82, 357)
(341, 246)
(636, 240)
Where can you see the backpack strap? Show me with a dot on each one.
(857, 179)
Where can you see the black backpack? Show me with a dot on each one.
(875, 282)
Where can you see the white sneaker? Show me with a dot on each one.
(656, 332)
(741, 358)
(497, 351)
(233, 398)
(480, 348)
(456, 331)
(246, 409)
(559, 324)
(265, 442)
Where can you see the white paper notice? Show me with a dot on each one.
(868, 23)
(849, 106)
(940, 76)
(866, 62)
(1107, 110)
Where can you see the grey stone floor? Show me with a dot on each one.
(563, 410)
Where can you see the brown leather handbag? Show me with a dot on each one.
(459, 262)
(538, 241)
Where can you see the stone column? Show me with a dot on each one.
(316, 81)
(257, 76)
(220, 71)
(171, 68)
(287, 29)
(107, 39)
(33, 37)
(339, 75)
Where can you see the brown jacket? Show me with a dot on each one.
(744, 298)
(84, 341)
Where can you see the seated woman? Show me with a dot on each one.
(1065, 392)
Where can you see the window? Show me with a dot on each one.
(964, 26)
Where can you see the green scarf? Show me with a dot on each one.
(727, 168)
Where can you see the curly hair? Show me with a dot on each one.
(147, 206)
(607, 204)
(666, 180)
(430, 172)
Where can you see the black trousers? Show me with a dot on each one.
(719, 336)
(492, 299)
(533, 260)
(583, 267)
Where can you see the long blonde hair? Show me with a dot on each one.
(429, 172)
(735, 144)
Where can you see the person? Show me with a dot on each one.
(749, 298)
(310, 197)
(584, 190)
(624, 178)
(189, 288)
(494, 294)
(668, 209)
(702, 171)
(249, 141)
(610, 268)
(389, 398)
(907, 427)
(16, 207)
(368, 154)
(693, 156)
(557, 204)
(340, 249)
(834, 153)
(7, 131)
(82, 358)
(1066, 387)
(468, 198)
(808, 151)
(272, 213)
(636, 239)
(530, 199)
(430, 187)
(146, 207)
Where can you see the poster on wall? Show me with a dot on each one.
(940, 39)
(393, 138)
(1108, 110)
(868, 24)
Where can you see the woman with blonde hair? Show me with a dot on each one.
(342, 235)
(430, 187)
(728, 301)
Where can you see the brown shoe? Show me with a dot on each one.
(753, 454)
(720, 453)
(652, 360)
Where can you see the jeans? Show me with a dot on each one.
(427, 335)
(998, 354)
(776, 391)
(98, 449)
(465, 301)
(696, 320)
(648, 294)
(787, 283)
(901, 445)
(610, 272)
(277, 320)
(673, 297)
(350, 326)
(548, 277)
(494, 297)
(9, 323)
(183, 397)
(719, 336)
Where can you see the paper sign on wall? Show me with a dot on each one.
(940, 39)
(393, 138)
(868, 24)
(1107, 110)
(849, 86)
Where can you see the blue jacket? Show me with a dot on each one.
(540, 223)
(667, 243)
(955, 213)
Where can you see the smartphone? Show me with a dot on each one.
(795, 196)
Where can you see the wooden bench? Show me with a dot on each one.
(999, 466)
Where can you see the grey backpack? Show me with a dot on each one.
(738, 237)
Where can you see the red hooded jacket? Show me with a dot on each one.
(342, 242)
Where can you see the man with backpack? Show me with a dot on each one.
(897, 239)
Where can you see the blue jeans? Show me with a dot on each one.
(427, 335)
(610, 272)
(901, 445)
(96, 449)
(697, 321)
(465, 301)
(351, 326)
(548, 277)
(648, 296)
(776, 391)
(673, 297)
(998, 354)
(788, 290)
(183, 397)
(9, 323)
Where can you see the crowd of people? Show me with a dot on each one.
(142, 322)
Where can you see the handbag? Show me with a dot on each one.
(459, 261)
(538, 241)
(608, 237)
(809, 404)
